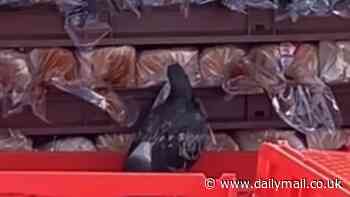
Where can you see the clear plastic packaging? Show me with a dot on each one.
(306, 103)
(49, 65)
(252, 140)
(297, 8)
(14, 140)
(69, 144)
(241, 5)
(223, 142)
(152, 66)
(82, 22)
(184, 4)
(158, 3)
(220, 63)
(105, 99)
(103, 70)
(113, 66)
(115, 142)
(15, 80)
(264, 66)
(127, 4)
(327, 141)
(59, 68)
(261, 71)
(289, 74)
(241, 85)
(22, 3)
(132, 5)
(16, 3)
(334, 61)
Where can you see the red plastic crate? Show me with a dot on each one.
(316, 168)
(98, 174)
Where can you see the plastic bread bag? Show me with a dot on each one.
(308, 109)
(16, 3)
(303, 69)
(115, 142)
(219, 63)
(327, 141)
(82, 22)
(289, 74)
(342, 8)
(132, 5)
(49, 64)
(241, 85)
(159, 3)
(114, 66)
(262, 65)
(14, 140)
(223, 142)
(298, 8)
(102, 71)
(252, 140)
(184, 4)
(261, 71)
(334, 61)
(15, 80)
(59, 68)
(241, 5)
(152, 65)
(285, 72)
(127, 4)
(22, 3)
(105, 99)
(69, 144)
(306, 103)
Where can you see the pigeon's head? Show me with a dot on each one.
(179, 81)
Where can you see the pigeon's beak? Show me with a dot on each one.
(140, 160)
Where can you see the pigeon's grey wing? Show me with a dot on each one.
(193, 142)
(147, 128)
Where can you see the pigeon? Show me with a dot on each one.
(172, 136)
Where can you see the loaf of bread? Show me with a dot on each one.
(15, 79)
(304, 68)
(263, 66)
(152, 65)
(48, 63)
(328, 141)
(258, 71)
(242, 85)
(113, 66)
(115, 142)
(157, 3)
(220, 63)
(252, 140)
(69, 144)
(289, 74)
(223, 142)
(14, 140)
(241, 5)
(334, 61)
